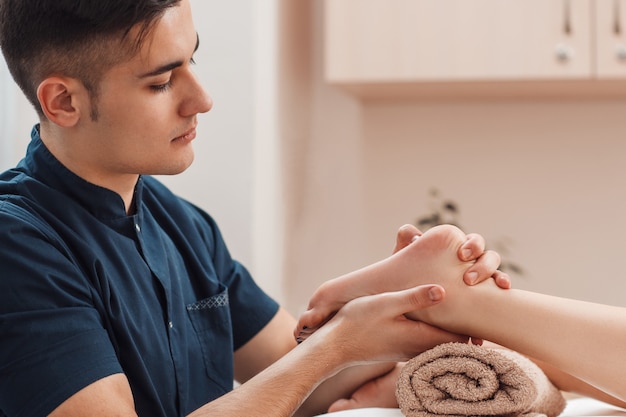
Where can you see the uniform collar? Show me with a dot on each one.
(101, 202)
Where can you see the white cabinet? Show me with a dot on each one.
(610, 39)
(375, 46)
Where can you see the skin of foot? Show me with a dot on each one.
(429, 259)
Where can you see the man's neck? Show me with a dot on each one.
(68, 151)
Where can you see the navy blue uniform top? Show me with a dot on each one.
(87, 291)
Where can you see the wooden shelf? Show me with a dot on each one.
(487, 90)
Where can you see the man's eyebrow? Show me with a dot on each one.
(170, 66)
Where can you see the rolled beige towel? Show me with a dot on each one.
(457, 379)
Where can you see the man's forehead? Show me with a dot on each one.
(172, 37)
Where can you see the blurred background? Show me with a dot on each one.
(335, 122)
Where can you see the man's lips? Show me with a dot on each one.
(187, 136)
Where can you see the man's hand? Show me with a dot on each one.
(485, 267)
(375, 328)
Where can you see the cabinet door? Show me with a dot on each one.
(450, 40)
(610, 29)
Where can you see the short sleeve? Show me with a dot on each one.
(53, 342)
(251, 308)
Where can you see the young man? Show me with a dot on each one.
(116, 297)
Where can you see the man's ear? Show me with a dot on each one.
(63, 100)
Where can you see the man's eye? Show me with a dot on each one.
(161, 87)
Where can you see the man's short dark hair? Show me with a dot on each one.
(81, 39)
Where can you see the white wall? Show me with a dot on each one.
(7, 116)
(16, 119)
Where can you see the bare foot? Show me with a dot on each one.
(430, 259)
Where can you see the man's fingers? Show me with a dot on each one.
(406, 301)
(487, 263)
(473, 247)
(483, 269)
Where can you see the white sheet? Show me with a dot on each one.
(589, 407)
(579, 407)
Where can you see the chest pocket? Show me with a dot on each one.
(211, 320)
